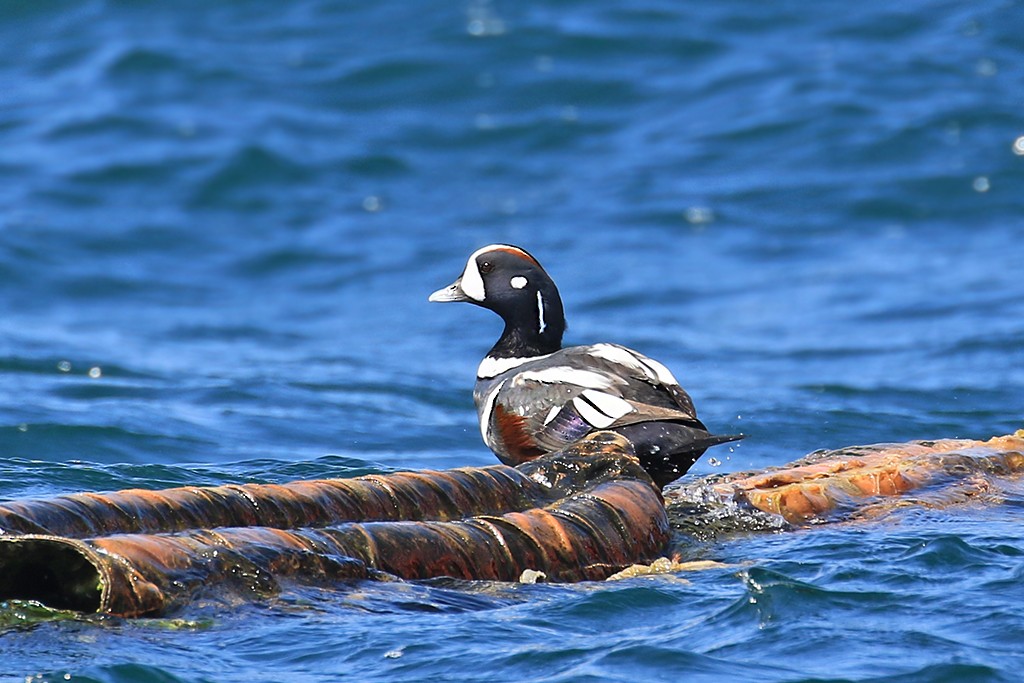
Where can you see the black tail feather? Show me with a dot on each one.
(668, 449)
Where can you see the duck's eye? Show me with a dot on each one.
(486, 267)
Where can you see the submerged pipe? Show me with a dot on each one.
(584, 513)
(832, 480)
(452, 494)
(835, 484)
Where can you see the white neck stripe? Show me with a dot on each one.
(492, 367)
(540, 313)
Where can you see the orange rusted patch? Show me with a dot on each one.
(814, 490)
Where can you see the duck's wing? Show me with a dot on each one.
(646, 380)
(545, 406)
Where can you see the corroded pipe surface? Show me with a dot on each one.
(830, 483)
(585, 513)
(451, 494)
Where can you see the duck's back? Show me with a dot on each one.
(544, 404)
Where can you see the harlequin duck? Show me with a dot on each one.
(534, 397)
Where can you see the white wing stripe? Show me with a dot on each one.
(591, 414)
(610, 405)
(664, 374)
(623, 357)
(562, 374)
(486, 410)
(651, 368)
(600, 410)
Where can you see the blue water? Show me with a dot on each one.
(219, 223)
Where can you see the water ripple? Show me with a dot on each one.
(235, 212)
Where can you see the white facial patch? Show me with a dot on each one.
(518, 282)
(472, 282)
(540, 314)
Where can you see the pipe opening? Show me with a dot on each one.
(50, 571)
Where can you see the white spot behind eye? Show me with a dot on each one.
(518, 282)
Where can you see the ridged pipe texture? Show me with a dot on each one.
(585, 513)
(581, 514)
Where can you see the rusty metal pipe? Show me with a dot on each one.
(584, 513)
(451, 494)
(856, 481)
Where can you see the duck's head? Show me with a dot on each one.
(513, 284)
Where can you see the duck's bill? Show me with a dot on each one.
(452, 292)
